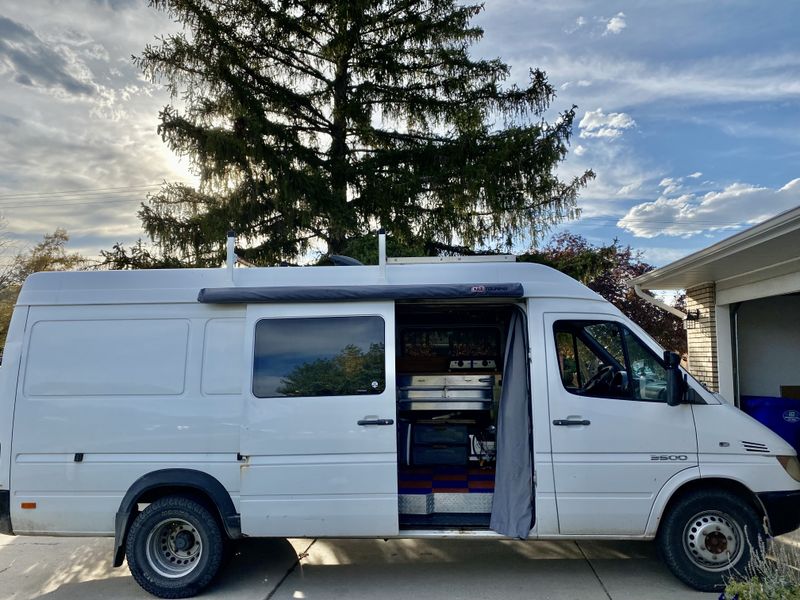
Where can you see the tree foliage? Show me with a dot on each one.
(352, 371)
(606, 270)
(314, 122)
(48, 255)
(138, 256)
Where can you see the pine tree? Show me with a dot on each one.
(312, 123)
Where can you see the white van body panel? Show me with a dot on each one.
(310, 469)
(735, 446)
(616, 464)
(189, 404)
(128, 418)
(9, 371)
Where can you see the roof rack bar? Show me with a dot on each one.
(230, 258)
(479, 258)
(382, 253)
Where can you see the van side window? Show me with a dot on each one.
(319, 356)
(604, 359)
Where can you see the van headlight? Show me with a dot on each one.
(791, 465)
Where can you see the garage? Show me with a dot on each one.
(743, 310)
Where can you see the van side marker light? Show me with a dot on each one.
(28, 505)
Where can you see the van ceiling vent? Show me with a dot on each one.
(754, 447)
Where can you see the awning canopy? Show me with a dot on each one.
(276, 294)
(768, 250)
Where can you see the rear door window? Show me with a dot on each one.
(319, 356)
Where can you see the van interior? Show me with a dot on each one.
(449, 366)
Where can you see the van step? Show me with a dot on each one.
(446, 520)
(459, 503)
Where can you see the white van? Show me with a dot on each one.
(177, 410)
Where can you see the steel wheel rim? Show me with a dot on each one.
(173, 548)
(713, 541)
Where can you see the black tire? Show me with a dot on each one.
(708, 537)
(175, 547)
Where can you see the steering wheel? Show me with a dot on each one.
(604, 376)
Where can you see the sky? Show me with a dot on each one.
(687, 111)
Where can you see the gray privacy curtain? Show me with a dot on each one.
(512, 506)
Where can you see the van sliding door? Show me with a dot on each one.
(318, 439)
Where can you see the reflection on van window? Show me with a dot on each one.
(605, 359)
(327, 356)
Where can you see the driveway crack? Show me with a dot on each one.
(290, 570)
(591, 566)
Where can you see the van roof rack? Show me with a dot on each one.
(478, 258)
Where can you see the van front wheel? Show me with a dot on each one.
(708, 537)
(174, 548)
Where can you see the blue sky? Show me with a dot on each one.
(689, 112)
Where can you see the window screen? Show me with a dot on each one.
(325, 356)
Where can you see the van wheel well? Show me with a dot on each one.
(714, 484)
(185, 491)
(195, 485)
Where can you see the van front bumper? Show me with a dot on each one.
(5, 512)
(783, 510)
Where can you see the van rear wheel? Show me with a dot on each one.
(175, 547)
(709, 537)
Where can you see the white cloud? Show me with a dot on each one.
(595, 123)
(628, 189)
(616, 24)
(579, 150)
(580, 83)
(670, 185)
(695, 175)
(76, 114)
(737, 205)
(629, 81)
(581, 21)
(621, 174)
(657, 255)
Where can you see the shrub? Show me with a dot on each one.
(773, 576)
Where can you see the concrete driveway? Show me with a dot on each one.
(79, 569)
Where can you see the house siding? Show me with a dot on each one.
(701, 335)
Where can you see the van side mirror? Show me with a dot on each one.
(675, 383)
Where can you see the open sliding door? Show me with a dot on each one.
(318, 440)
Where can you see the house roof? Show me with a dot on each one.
(769, 249)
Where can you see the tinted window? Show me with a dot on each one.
(605, 359)
(329, 356)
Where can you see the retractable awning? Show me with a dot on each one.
(265, 295)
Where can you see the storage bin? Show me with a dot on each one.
(781, 415)
(440, 434)
(439, 455)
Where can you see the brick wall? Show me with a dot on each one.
(701, 335)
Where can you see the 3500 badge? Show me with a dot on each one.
(668, 457)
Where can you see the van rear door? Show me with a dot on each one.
(615, 441)
(318, 441)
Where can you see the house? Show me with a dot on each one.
(743, 309)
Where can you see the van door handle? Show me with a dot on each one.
(376, 422)
(569, 422)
